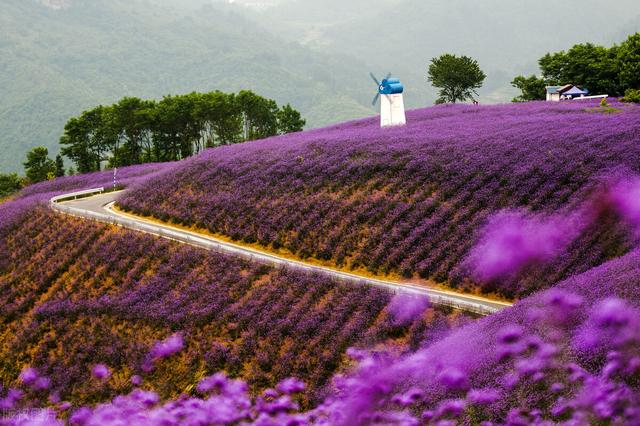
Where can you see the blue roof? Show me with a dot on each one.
(576, 91)
(553, 89)
(390, 86)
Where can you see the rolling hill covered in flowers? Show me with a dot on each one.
(542, 198)
(411, 201)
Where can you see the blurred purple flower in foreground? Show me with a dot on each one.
(407, 307)
(170, 346)
(164, 349)
(28, 376)
(625, 198)
(511, 241)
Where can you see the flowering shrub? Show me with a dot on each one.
(97, 310)
(410, 200)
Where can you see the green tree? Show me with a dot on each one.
(9, 183)
(632, 95)
(457, 77)
(221, 117)
(259, 114)
(132, 121)
(59, 166)
(628, 62)
(133, 130)
(38, 166)
(177, 128)
(532, 88)
(90, 138)
(593, 67)
(290, 120)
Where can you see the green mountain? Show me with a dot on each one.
(60, 57)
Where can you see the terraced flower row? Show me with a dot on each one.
(409, 200)
(75, 294)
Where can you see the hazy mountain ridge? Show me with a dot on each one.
(59, 62)
(507, 37)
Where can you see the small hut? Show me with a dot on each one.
(568, 91)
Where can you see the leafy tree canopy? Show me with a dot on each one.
(135, 131)
(9, 184)
(38, 166)
(290, 120)
(602, 70)
(457, 77)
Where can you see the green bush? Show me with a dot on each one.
(632, 95)
(9, 184)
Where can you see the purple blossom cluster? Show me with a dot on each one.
(512, 241)
(411, 200)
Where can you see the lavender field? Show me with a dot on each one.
(102, 326)
(411, 201)
(74, 294)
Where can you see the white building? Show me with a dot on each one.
(568, 91)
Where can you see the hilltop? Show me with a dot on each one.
(411, 201)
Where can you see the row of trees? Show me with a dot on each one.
(613, 71)
(135, 131)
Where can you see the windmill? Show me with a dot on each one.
(392, 102)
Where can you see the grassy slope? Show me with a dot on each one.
(408, 200)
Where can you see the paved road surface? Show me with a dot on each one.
(100, 208)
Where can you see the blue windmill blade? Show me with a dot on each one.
(374, 79)
(375, 99)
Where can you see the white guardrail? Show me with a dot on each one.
(437, 297)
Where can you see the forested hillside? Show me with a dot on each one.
(57, 63)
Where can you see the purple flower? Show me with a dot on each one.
(486, 396)
(101, 371)
(453, 408)
(454, 379)
(168, 347)
(625, 196)
(28, 376)
(290, 386)
(510, 334)
(41, 383)
(513, 240)
(216, 382)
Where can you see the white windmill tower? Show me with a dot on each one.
(392, 102)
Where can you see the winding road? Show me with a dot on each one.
(96, 205)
